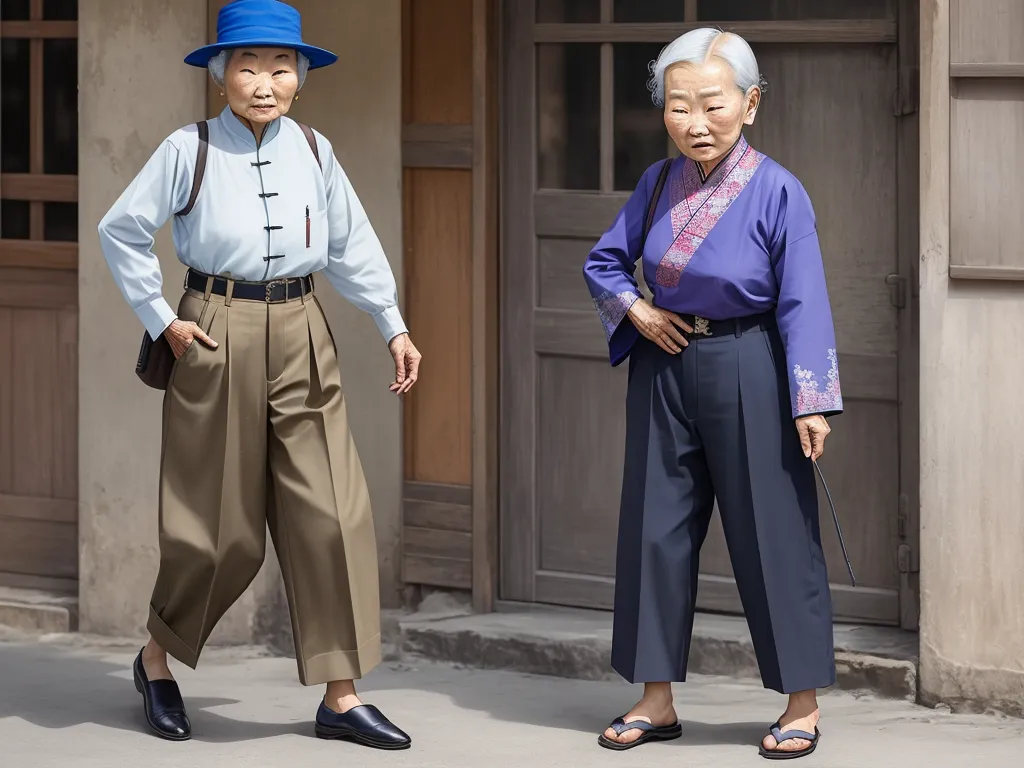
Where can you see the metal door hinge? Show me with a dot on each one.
(898, 290)
(903, 558)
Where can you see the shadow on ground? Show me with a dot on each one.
(52, 687)
(575, 705)
(55, 687)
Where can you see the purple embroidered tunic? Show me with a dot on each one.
(740, 242)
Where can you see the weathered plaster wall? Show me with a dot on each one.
(972, 465)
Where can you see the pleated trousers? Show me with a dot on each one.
(255, 435)
(715, 422)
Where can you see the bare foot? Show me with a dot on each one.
(341, 696)
(801, 715)
(154, 662)
(655, 708)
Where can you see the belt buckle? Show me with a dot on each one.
(270, 288)
(701, 326)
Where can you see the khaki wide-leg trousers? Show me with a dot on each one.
(255, 432)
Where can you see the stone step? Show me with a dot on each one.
(35, 612)
(577, 644)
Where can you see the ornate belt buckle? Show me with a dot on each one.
(270, 290)
(701, 326)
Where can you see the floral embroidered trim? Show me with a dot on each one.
(702, 205)
(612, 307)
(808, 398)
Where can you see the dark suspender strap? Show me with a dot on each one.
(197, 177)
(653, 204)
(311, 140)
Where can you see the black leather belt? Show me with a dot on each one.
(270, 292)
(737, 326)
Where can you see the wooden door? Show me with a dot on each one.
(449, 536)
(580, 129)
(39, 294)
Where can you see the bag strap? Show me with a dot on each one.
(197, 176)
(311, 140)
(204, 146)
(653, 204)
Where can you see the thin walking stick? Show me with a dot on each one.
(839, 531)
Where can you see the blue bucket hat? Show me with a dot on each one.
(260, 23)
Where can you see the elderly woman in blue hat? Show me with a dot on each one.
(255, 431)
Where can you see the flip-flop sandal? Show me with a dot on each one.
(650, 733)
(780, 736)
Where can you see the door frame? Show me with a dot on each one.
(519, 33)
(905, 298)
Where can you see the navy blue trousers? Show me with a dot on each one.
(715, 422)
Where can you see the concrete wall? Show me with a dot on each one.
(972, 466)
(134, 91)
(356, 103)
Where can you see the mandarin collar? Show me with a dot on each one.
(240, 130)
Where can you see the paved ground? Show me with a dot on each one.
(74, 706)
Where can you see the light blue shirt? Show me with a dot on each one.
(249, 221)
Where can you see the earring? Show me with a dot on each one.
(222, 93)
(296, 97)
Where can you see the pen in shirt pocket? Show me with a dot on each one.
(307, 226)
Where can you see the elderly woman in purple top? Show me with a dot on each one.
(732, 371)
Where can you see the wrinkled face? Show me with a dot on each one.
(704, 110)
(261, 83)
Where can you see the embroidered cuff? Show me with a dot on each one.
(612, 307)
(808, 398)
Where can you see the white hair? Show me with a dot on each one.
(699, 45)
(218, 64)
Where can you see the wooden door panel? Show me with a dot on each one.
(437, 431)
(575, 443)
(449, 431)
(828, 116)
(580, 447)
(38, 438)
(6, 399)
(560, 282)
(65, 406)
(778, 10)
(41, 548)
(33, 372)
(843, 151)
(39, 303)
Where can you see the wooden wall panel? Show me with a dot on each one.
(39, 330)
(986, 31)
(986, 159)
(437, 538)
(438, 65)
(34, 333)
(449, 229)
(39, 548)
(986, 165)
(38, 432)
(6, 400)
(437, 305)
